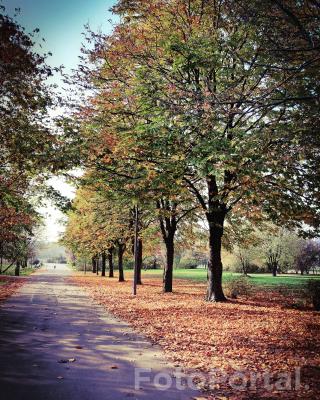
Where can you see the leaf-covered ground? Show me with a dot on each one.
(253, 335)
(9, 285)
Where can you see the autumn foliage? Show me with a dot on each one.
(253, 334)
(9, 285)
(216, 102)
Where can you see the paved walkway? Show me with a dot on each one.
(55, 344)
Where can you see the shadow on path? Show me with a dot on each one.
(56, 344)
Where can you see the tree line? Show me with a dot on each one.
(31, 149)
(198, 115)
(200, 112)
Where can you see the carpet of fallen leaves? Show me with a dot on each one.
(9, 285)
(247, 335)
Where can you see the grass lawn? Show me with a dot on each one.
(200, 275)
(23, 271)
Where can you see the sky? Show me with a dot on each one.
(61, 23)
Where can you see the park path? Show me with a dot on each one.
(50, 320)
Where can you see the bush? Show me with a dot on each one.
(313, 293)
(238, 287)
(187, 263)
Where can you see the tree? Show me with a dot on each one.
(206, 97)
(223, 99)
(308, 257)
(29, 141)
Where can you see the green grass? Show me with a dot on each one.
(23, 271)
(200, 275)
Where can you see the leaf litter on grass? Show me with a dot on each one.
(249, 335)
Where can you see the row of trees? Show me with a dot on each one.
(31, 148)
(201, 109)
(278, 251)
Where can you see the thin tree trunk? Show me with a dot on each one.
(274, 269)
(94, 266)
(17, 269)
(120, 262)
(168, 269)
(168, 226)
(110, 261)
(97, 264)
(103, 264)
(139, 266)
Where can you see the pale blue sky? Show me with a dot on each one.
(61, 23)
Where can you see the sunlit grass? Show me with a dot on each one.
(200, 275)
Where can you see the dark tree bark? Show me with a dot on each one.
(97, 264)
(215, 291)
(17, 269)
(110, 261)
(103, 263)
(94, 265)
(168, 226)
(139, 266)
(121, 249)
(274, 269)
(215, 214)
(168, 270)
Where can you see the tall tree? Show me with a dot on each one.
(221, 99)
(207, 97)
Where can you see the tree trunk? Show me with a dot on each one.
(139, 266)
(97, 265)
(110, 261)
(17, 269)
(215, 214)
(215, 291)
(94, 265)
(168, 269)
(274, 269)
(103, 264)
(120, 262)
(168, 226)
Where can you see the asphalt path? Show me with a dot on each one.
(56, 344)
